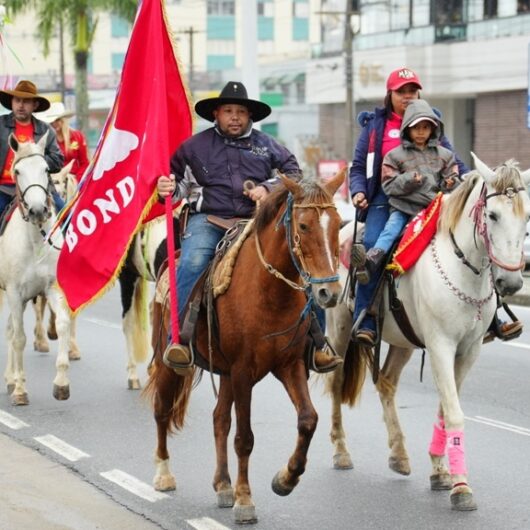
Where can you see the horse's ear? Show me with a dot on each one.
(487, 174)
(291, 185)
(332, 185)
(525, 175)
(13, 142)
(42, 142)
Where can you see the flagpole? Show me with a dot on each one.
(173, 297)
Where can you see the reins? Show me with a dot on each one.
(478, 213)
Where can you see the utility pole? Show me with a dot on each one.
(249, 47)
(347, 50)
(190, 32)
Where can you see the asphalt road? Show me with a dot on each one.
(87, 463)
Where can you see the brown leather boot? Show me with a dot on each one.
(325, 361)
(178, 357)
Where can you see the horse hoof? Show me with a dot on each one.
(52, 335)
(342, 461)
(164, 483)
(441, 482)
(74, 355)
(134, 384)
(10, 388)
(245, 514)
(61, 393)
(225, 498)
(279, 486)
(399, 465)
(462, 499)
(41, 347)
(20, 399)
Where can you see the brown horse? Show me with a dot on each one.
(288, 261)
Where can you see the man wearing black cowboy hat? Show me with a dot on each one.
(23, 101)
(209, 170)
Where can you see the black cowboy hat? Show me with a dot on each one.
(233, 92)
(25, 90)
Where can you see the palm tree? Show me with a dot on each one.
(80, 17)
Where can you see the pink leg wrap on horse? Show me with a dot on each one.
(439, 439)
(456, 453)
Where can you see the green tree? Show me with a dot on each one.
(80, 18)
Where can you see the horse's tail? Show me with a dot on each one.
(168, 392)
(356, 360)
(140, 338)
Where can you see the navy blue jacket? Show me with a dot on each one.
(210, 170)
(365, 172)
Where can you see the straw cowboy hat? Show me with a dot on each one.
(25, 90)
(233, 92)
(56, 111)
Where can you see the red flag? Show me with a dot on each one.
(150, 117)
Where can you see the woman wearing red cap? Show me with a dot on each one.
(380, 133)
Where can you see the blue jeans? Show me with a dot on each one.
(376, 218)
(197, 250)
(396, 222)
(5, 199)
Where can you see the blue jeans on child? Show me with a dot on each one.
(396, 222)
(376, 218)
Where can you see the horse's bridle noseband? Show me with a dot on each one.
(22, 204)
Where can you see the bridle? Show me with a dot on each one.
(296, 252)
(478, 212)
(20, 195)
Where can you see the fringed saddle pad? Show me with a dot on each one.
(222, 275)
(417, 236)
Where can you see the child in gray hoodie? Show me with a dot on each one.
(412, 174)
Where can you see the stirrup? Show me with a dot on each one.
(179, 358)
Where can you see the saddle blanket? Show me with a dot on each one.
(418, 234)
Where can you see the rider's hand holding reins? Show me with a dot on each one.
(359, 201)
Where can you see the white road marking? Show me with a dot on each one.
(133, 485)
(519, 345)
(205, 523)
(101, 322)
(59, 446)
(501, 425)
(11, 421)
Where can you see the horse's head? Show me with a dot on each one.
(506, 211)
(314, 231)
(65, 182)
(31, 175)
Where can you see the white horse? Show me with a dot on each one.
(65, 184)
(28, 267)
(450, 301)
(146, 254)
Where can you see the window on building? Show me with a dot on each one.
(117, 61)
(119, 27)
(490, 8)
(300, 9)
(523, 6)
(265, 8)
(447, 12)
(221, 7)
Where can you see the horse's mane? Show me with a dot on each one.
(312, 191)
(507, 176)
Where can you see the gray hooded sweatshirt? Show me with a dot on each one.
(434, 162)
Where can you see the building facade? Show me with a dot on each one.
(472, 57)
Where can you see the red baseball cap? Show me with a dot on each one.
(400, 77)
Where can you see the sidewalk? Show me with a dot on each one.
(38, 494)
